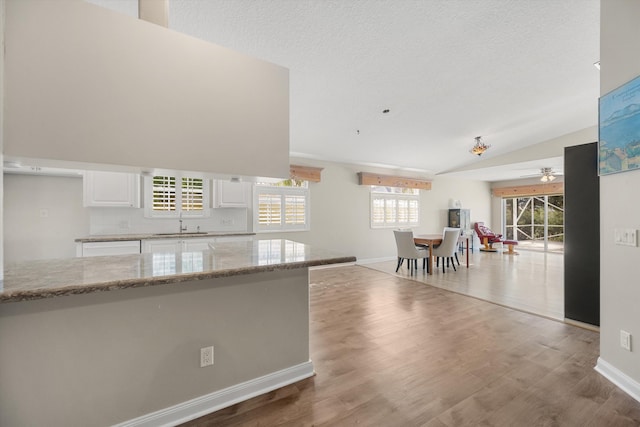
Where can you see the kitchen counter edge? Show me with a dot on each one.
(152, 236)
(30, 295)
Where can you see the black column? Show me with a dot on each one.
(582, 234)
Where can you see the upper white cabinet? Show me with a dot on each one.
(232, 194)
(113, 189)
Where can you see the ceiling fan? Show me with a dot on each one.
(546, 175)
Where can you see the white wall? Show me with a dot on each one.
(42, 217)
(340, 210)
(30, 235)
(108, 357)
(1, 137)
(130, 220)
(619, 204)
(110, 89)
(339, 214)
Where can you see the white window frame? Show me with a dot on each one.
(282, 192)
(149, 212)
(393, 216)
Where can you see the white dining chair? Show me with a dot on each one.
(408, 250)
(447, 249)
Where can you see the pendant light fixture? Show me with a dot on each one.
(480, 147)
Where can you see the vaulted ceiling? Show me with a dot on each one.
(516, 72)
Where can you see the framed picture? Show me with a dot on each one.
(619, 129)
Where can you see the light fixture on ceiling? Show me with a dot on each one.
(480, 147)
(547, 175)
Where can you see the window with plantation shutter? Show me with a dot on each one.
(282, 207)
(269, 209)
(192, 194)
(170, 196)
(295, 209)
(394, 207)
(164, 193)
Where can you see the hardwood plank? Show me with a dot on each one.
(394, 351)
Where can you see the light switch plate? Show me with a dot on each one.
(625, 236)
(625, 340)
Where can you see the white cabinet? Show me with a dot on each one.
(112, 189)
(124, 247)
(194, 245)
(232, 194)
(177, 245)
(161, 245)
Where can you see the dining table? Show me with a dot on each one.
(432, 240)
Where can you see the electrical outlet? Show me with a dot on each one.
(206, 356)
(625, 340)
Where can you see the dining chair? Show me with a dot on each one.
(459, 244)
(447, 249)
(408, 250)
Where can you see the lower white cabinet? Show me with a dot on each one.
(194, 245)
(176, 245)
(161, 245)
(124, 247)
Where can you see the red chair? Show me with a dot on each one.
(488, 238)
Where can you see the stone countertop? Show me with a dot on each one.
(150, 236)
(31, 280)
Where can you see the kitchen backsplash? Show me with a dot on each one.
(132, 221)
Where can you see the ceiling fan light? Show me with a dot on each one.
(551, 177)
(544, 178)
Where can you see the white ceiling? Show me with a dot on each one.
(516, 72)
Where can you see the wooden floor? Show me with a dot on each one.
(531, 281)
(389, 351)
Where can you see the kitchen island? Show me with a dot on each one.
(117, 339)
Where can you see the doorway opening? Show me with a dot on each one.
(536, 222)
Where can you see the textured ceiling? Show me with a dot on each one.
(516, 72)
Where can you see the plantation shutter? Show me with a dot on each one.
(192, 194)
(164, 193)
(269, 209)
(295, 210)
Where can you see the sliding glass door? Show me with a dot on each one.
(536, 222)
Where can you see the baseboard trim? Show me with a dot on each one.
(582, 325)
(322, 267)
(374, 260)
(215, 401)
(619, 378)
